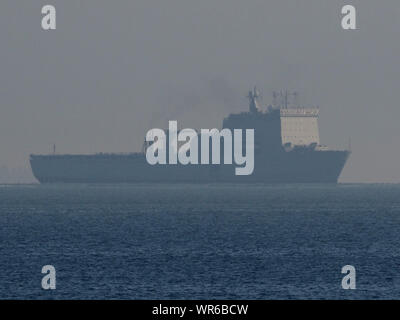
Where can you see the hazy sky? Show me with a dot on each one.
(114, 69)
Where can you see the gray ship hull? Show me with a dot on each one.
(297, 166)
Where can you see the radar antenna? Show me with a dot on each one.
(284, 99)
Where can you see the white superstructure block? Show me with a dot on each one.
(299, 126)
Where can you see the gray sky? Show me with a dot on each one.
(114, 69)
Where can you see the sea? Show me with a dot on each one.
(187, 241)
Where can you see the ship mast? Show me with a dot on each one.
(253, 100)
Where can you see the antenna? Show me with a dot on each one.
(253, 96)
(286, 99)
(295, 99)
(274, 98)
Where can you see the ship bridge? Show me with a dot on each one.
(299, 126)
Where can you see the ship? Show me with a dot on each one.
(287, 149)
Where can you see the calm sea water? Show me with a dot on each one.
(200, 242)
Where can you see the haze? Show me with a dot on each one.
(114, 69)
